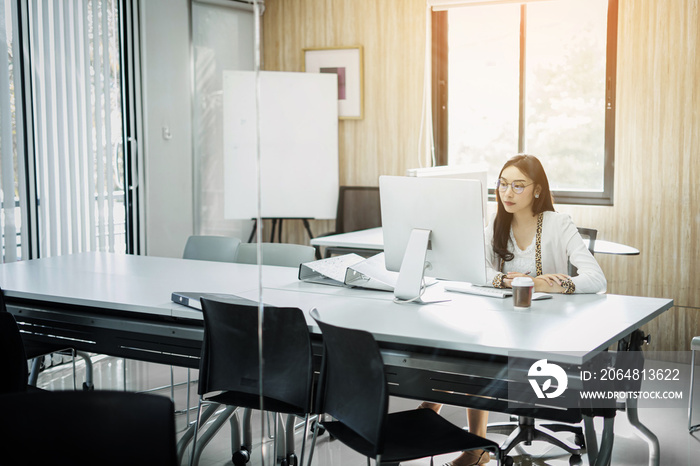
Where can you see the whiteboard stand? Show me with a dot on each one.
(277, 223)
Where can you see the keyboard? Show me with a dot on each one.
(463, 287)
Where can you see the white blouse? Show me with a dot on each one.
(561, 243)
(523, 259)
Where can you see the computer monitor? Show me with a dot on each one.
(435, 223)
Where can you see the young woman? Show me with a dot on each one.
(527, 238)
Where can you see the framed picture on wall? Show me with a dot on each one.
(346, 62)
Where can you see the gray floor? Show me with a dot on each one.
(668, 423)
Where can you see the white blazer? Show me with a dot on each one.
(560, 243)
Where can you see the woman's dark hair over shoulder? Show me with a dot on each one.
(530, 166)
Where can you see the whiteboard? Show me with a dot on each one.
(298, 145)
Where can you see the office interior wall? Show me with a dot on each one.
(657, 190)
(166, 73)
(392, 34)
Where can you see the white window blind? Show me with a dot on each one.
(12, 179)
(76, 108)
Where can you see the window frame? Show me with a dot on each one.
(26, 97)
(440, 104)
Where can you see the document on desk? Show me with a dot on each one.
(350, 270)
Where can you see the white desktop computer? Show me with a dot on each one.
(432, 226)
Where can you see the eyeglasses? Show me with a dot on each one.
(518, 186)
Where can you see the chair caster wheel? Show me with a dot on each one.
(321, 429)
(88, 388)
(240, 457)
(575, 460)
(579, 440)
(508, 461)
(292, 460)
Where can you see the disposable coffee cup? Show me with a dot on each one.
(522, 292)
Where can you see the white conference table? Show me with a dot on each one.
(372, 239)
(120, 305)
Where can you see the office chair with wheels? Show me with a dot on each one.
(524, 429)
(358, 209)
(211, 248)
(229, 368)
(590, 234)
(99, 427)
(352, 389)
(281, 254)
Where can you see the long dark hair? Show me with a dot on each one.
(530, 166)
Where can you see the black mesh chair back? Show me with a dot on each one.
(591, 234)
(99, 427)
(586, 233)
(358, 209)
(230, 361)
(353, 390)
(13, 364)
(352, 386)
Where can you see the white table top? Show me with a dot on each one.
(373, 239)
(568, 329)
(129, 283)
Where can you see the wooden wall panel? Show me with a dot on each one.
(392, 34)
(657, 189)
(657, 160)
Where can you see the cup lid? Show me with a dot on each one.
(522, 281)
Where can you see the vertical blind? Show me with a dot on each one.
(67, 184)
(12, 179)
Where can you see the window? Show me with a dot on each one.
(15, 242)
(62, 161)
(534, 78)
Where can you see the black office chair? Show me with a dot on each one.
(15, 354)
(524, 429)
(358, 209)
(229, 368)
(591, 234)
(86, 428)
(204, 248)
(353, 390)
(13, 363)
